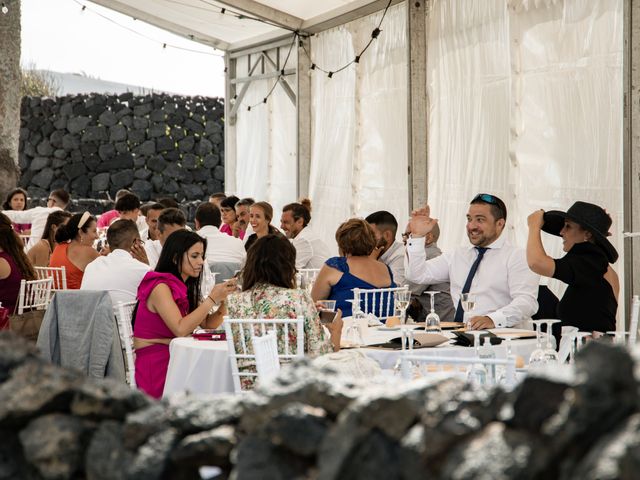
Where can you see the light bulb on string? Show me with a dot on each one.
(5, 9)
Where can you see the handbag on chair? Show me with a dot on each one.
(27, 324)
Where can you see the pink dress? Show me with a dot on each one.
(225, 228)
(152, 362)
(106, 218)
(10, 286)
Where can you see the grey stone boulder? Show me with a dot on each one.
(70, 142)
(147, 148)
(74, 170)
(165, 143)
(158, 129)
(106, 456)
(210, 447)
(211, 161)
(152, 459)
(38, 163)
(106, 151)
(192, 192)
(117, 133)
(95, 134)
(55, 444)
(44, 148)
(80, 186)
(203, 147)
(100, 182)
(43, 178)
(218, 172)
(187, 144)
(107, 399)
(157, 163)
(77, 124)
(142, 188)
(108, 118)
(122, 179)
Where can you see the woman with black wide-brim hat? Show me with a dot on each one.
(590, 301)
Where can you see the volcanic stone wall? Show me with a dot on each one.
(577, 422)
(155, 145)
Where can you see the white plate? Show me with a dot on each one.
(388, 329)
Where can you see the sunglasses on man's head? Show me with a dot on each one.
(488, 198)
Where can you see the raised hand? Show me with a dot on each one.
(421, 222)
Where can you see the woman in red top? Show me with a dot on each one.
(75, 248)
(14, 264)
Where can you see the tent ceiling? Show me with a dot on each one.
(202, 21)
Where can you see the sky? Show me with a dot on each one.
(57, 35)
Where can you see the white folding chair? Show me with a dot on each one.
(124, 315)
(34, 295)
(266, 350)
(58, 274)
(379, 301)
(452, 366)
(306, 276)
(244, 330)
(633, 324)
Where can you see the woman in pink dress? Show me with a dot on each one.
(169, 306)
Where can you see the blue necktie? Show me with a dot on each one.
(467, 284)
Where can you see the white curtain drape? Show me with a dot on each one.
(266, 140)
(359, 126)
(526, 103)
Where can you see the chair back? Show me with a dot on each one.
(240, 333)
(124, 317)
(378, 301)
(452, 365)
(266, 350)
(34, 295)
(633, 324)
(58, 274)
(306, 276)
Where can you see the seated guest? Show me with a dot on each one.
(75, 247)
(37, 216)
(242, 212)
(14, 264)
(40, 253)
(591, 299)
(119, 273)
(420, 300)
(108, 217)
(311, 251)
(388, 250)
(492, 269)
(216, 198)
(169, 306)
(169, 220)
(151, 217)
(268, 291)
(220, 247)
(128, 206)
(260, 216)
(229, 218)
(17, 200)
(354, 268)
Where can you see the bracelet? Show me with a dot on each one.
(214, 302)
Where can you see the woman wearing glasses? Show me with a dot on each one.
(591, 299)
(75, 247)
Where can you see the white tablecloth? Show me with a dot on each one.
(202, 366)
(198, 366)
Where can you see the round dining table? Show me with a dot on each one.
(204, 366)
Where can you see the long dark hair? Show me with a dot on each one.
(170, 261)
(7, 203)
(270, 260)
(54, 219)
(11, 243)
(70, 230)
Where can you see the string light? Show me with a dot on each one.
(163, 44)
(5, 9)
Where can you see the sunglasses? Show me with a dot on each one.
(488, 198)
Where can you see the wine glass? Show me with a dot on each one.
(402, 299)
(476, 373)
(468, 302)
(352, 334)
(538, 356)
(551, 356)
(432, 322)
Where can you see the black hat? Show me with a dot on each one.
(590, 217)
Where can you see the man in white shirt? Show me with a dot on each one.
(151, 218)
(119, 273)
(220, 246)
(497, 273)
(37, 217)
(388, 250)
(311, 251)
(170, 220)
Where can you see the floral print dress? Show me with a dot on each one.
(268, 301)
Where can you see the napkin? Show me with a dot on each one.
(464, 339)
(420, 340)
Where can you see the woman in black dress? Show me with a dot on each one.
(590, 301)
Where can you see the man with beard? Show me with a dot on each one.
(388, 250)
(311, 251)
(497, 273)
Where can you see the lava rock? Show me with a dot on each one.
(77, 124)
(43, 178)
(106, 457)
(117, 133)
(100, 182)
(74, 170)
(143, 189)
(108, 118)
(122, 179)
(38, 163)
(95, 134)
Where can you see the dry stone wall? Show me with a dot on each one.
(155, 145)
(577, 422)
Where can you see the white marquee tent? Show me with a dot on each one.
(520, 98)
